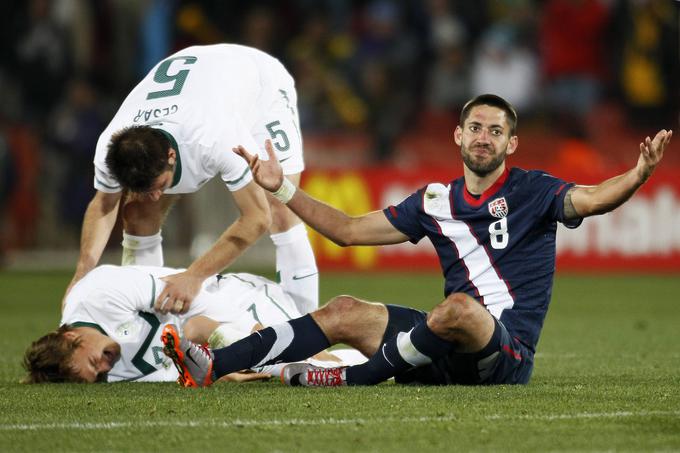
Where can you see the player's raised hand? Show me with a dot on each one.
(267, 173)
(651, 152)
(180, 290)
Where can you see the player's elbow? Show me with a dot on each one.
(261, 223)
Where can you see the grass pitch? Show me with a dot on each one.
(607, 378)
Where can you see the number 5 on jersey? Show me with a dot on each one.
(162, 76)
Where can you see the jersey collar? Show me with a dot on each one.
(495, 187)
(177, 175)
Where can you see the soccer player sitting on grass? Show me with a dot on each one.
(111, 332)
(494, 232)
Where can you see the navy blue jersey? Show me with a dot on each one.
(499, 248)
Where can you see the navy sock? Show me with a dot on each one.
(385, 363)
(388, 361)
(308, 339)
(295, 340)
(244, 353)
(428, 343)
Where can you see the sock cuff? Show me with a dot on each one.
(427, 342)
(408, 351)
(308, 325)
(296, 233)
(133, 242)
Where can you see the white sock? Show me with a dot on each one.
(296, 267)
(142, 250)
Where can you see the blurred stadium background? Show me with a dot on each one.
(380, 85)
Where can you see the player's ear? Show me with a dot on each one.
(458, 135)
(71, 335)
(512, 145)
(172, 156)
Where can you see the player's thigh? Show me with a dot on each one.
(357, 323)
(271, 306)
(279, 122)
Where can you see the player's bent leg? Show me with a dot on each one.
(462, 320)
(295, 262)
(354, 322)
(142, 221)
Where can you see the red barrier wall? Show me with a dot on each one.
(641, 236)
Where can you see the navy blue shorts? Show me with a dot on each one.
(505, 360)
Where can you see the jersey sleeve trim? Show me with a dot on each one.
(101, 183)
(240, 178)
(88, 324)
(178, 166)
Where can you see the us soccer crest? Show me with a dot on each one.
(498, 207)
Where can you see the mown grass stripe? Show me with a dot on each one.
(320, 422)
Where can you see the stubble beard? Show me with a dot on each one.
(482, 168)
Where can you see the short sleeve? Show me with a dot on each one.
(406, 216)
(549, 196)
(232, 168)
(103, 180)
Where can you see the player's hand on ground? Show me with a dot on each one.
(651, 152)
(245, 376)
(267, 173)
(180, 290)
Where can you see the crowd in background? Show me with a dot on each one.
(365, 67)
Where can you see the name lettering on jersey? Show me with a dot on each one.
(498, 208)
(146, 115)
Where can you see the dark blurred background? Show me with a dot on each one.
(379, 82)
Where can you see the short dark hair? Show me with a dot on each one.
(136, 156)
(48, 359)
(493, 101)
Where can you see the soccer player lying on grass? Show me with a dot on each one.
(110, 331)
(494, 232)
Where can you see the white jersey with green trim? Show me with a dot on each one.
(207, 99)
(118, 301)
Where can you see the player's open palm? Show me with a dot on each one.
(180, 290)
(651, 152)
(267, 173)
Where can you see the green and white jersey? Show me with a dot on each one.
(207, 100)
(118, 301)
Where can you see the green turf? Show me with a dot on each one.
(607, 378)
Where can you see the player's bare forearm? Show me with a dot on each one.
(369, 229)
(584, 201)
(372, 228)
(98, 222)
(230, 245)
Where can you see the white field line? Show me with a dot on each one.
(237, 423)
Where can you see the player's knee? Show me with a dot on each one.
(192, 333)
(336, 316)
(454, 313)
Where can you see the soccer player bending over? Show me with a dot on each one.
(494, 232)
(172, 134)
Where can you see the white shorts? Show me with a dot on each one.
(259, 300)
(279, 120)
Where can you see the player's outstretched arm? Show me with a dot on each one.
(98, 222)
(584, 201)
(255, 219)
(368, 229)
